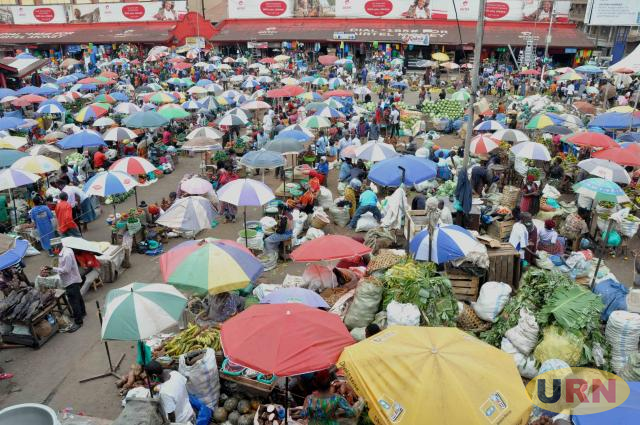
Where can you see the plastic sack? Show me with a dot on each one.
(365, 305)
(380, 319)
(358, 333)
(526, 365)
(559, 344)
(614, 239)
(325, 198)
(550, 192)
(203, 412)
(268, 224)
(366, 222)
(341, 187)
(402, 314)
(613, 295)
(524, 336)
(318, 277)
(492, 299)
(202, 378)
(299, 219)
(313, 233)
(265, 289)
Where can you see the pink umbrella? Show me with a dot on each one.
(196, 186)
(133, 165)
(348, 152)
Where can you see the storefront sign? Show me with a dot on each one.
(344, 36)
(416, 39)
(90, 13)
(194, 42)
(570, 50)
(35, 35)
(257, 45)
(606, 12)
(466, 10)
(399, 33)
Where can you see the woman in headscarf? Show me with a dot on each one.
(549, 239)
(530, 201)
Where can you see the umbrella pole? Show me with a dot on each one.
(604, 247)
(246, 240)
(135, 193)
(15, 210)
(286, 400)
(112, 368)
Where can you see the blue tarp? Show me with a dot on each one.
(615, 120)
(14, 255)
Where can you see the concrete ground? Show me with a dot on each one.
(50, 375)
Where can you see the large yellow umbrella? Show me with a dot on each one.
(417, 375)
(12, 142)
(37, 164)
(440, 57)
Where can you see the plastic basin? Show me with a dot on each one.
(28, 413)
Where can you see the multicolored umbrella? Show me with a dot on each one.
(329, 112)
(191, 105)
(374, 151)
(295, 295)
(209, 266)
(320, 81)
(284, 339)
(193, 213)
(37, 164)
(316, 122)
(44, 150)
(605, 169)
(309, 96)
(245, 193)
(107, 183)
(11, 178)
(118, 134)
(544, 120)
(448, 243)
(12, 142)
(329, 247)
(133, 165)
(140, 310)
(483, 144)
(82, 139)
(90, 112)
(489, 125)
(601, 190)
(531, 150)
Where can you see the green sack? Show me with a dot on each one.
(614, 238)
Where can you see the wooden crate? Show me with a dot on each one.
(465, 286)
(504, 265)
(414, 222)
(500, 229)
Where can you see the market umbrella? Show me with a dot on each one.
(295, 295)
(448, 243)
(329, 247)
(14, 252)
(508, 135)
(255, 105)
(616, 121)
(103, 122)
(231, 120)
(285, 145)
(327, 59)
(440, 57)
(126, 108)
(9, 156)
(107, 183)
(395, 370)
(173, 113)
(375, 151)
(91, 112)
(489, 125)
(82, 139)
(145, 119)
(543, 120)
(629, 137)
(50, 108)
(295, 134)
(140, 310)
(315, 121)
(329, 112)
(44, 150)
(624, 109)
(191, 214)
(118, 134)
(196, 186)
(54, 136)
(133, 165)
(461, 96)
(625, 156)
(605, 169)
(284, 339)
(202, 144)
(407, 169)
(12, 142)
(37, 164)
(592, 140)
(245, 193)
(209, 266)
(208, 132)
(531, 150)
(10, 123)
(601, 190)
(589, 69)
(585, 107)
(11, 178)
(483, 144)
(262, 159)
(557, 129)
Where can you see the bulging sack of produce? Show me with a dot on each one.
(524, 336)
(402, 314)
(366, 222)
(526, 365)
(358, 333)
(325, 198)
(559, 344)
(492, 299)
(202, 378)
(364, 306)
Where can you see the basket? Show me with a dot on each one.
(251, 233)
(134, 227)
(121, 224)
(509, 197)
(319, 222)
(269, 260)
(383, 260)
(469, 320)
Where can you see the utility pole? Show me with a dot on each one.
(477, 52)
(546, 44)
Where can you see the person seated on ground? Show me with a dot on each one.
(345, 170)
(284, 230)
(321, 171)
(368, 202)
(371, 330)
(549, 239)
(172, 388)
(223, 306)
(322, 407)
(351, 195)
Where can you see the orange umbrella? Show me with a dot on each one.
(622, 156)
(585, 107)
(592, 140)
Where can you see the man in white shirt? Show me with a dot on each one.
(173, 393)
(571, 90)
(71, 281)
(394, 119)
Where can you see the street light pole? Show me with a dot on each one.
(546, 45)
(477, 52)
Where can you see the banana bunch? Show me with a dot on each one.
(191, 339)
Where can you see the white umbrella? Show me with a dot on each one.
(509, 135)
(374, 151)
(193, 213)
(118, 134)
(531, 150)
(103, 122)
(207, 132)
(605, 169)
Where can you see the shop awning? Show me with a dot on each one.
(97, 33)
(21, 67)
(394, 31)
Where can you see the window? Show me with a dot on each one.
(27, 2)
(8, 1)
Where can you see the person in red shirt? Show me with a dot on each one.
(99, 159)
(64, 215)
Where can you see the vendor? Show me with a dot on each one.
(41, 217)
(284, 230)
(530, 201)
(345, 170)
(549, 239)
(71, 281)
(322, 407)
(524, 236)
(351, 195)
(172, 388)
(368, 203)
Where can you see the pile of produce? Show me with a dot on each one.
(446, 189)
(269, 414)
(419, 284)
(444, 108)
(135, 378)
(562, 308)
(237, 410)
(24, 302)
(191, 339)
(74, 158)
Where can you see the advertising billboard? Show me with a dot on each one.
(466, 10)
(90, 13)
(610, 12)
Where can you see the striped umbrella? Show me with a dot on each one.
(544, 120)
(209, 132)
(191, 105)
(490, 125)
(161, 97)
(329, 112)
(51, 108)
(461, 96)
(193, 213)
(103, 122)
(140, 310)
(374, 151)
(44, 150)
(298, 127)
(90, 112)
(107, 183)
(12, 178)
(309, 96)
(316, 122)
(214, 88)
(118, 134)
(448, 243)
(37, 164)
(209, 266)
(531, 150)
(601, 190)
(255, 104)
(126, 108)
(250, 84)
(82, 139)
(606, 170)
(483, 144)
(333, 103)
(133, 165)
(209, 103)
(106, 98)
(231, 119)
(508, 135)
(202, 144)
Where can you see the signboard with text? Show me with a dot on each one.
(606, 12)
(465, 10)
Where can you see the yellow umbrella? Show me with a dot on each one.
(418, 375)
(37, 164)
(623, 109)
(440, 57)
(12, 142)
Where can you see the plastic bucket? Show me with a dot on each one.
(28, 413)
(251, 233)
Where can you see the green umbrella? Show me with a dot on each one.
(316, 121)
(145, 119)
(140, 310)
(174, 113)
(461, 96)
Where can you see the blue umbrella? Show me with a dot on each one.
(629, 137)
(46, 91)
(9, 156)
(10, 123)
(615, 120)
(208, 103)
(204, 82)
(145, 119)
(448, 243)
(295, 134)
(307, 79)
(78, 75)
(400, 85)
(27, 90)
(50, 108)
(82, 139)
(295, 295)
(262, 159)
(7, 92)
(88, 87)
(119, 96)
(67, 79)
(390, 171)
(625, 414)
(589, 69)
(25, 56)
(14, 255)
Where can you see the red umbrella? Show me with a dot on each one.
(177, 59)
(592, 140)
(108, 74)
(27, 100)
(338, 93)
(329, 247)
(622, 156)
(530, 72)
(267, 60)
(284, 339)
(327, 59)
(90, 80)
(182, 65)
(293, 90)
(277, 93)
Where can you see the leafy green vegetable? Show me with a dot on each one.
(572, 308)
